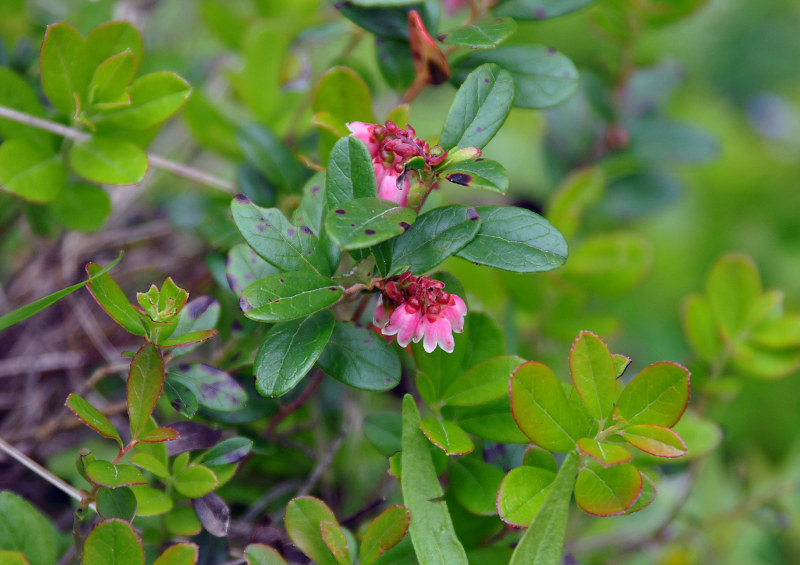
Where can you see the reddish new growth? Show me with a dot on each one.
(417, 308)
(391, 149)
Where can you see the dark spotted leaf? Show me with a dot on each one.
(214, 514)
(365, 222)
(287, 296)
(198, 315)
(478, 173)
(359, 357)
(194, 436)
(212, 388)
(487, 34)
(243, 267)
(479, 109)
(515, 239)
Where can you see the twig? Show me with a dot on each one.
(156, 161)
(323, 464)
(285, 411)
(13, 452)
(269, 497)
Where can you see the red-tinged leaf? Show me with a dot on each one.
(447, 436)
(607, 454)
(648, 495)
(593, 374)
(304, 518)
(160, 434)
(541, 409)
(13, 558)
(429, 61)
(145, 382)
(383, 533)
(657, 395)
(92, 417)
(188, 339)
(110, 297)
(522, 493)
(260, 554)
(334, 538)
(179, 554)
(655, 440)
(621, 363)
(107, 474)
(113, 542)
(607, 492)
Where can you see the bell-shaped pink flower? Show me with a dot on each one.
(388, 190)
(403, 322)
(366, 133)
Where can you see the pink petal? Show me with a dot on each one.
(380, 317)
(402, 323)
(455, 312)
(387, 188)
(444, 335)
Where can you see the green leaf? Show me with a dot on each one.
(152, 464)
(383, 533)
(384, 431)
(195, 324)
(287, 296)
(474, 484)
(492, 421)
(195, 481)
(431, 528)
(733, 286)
(350, 173)
(544, 539)
(145, 382)
(106, 474)
(395, 63)
(283, 245)
(92, 417)
(110, 297)
(655, 440)
(607, 454)
(179, 554)
(314, 205)
(539, 9)
(244, 267)
(656, 141)
(487, 34)
(609, 263)
(37, 306)
(155, 97)
(593, 374)
(82, 207)
(64, 67)
(107, 160)
(647, 496)
(111, 78)
(228, 451)
(482, 383)
(31, 172)
(522, 494)
(260, 554)
(621, 363)
(478, 173)
(269, 154)
(607, 492)
(17, 94)
(541, 409)
(543, 77)
(700, 327)
(360, 358)
(342, 92)
(112, 38)
(365, 222)
(447, 436)
(515, 239)
(13, 558)
(150, 501)
(576, 193)
(116, 503)
(435, 236)
(479, 109)
(304, 518)
(210, 387)
(113, 542)
(288, 352)
(24, 529)
(535, 456)
(336, 540)
(158, 435)
(657, 395)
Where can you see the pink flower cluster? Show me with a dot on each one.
(391, 148)
(417, 308)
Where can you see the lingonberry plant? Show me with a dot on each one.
(420, 206)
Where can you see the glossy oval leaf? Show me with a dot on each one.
(479, 109)
(482, 383)
(431, 529)
(178, 554)
(657, 395)
(288, 352)
(447, 436)
(474, 484)
(478, 173)
(733, 286)
(383, 430)
(540, 407)
(342, 92)
(539, 9)
(116, 503)
(92, 417)
(260, 554)
(515, 239)
(64, 67)
(288, 296)
(213, 513)
(111, 38)
(106, 474)
(152, 464)
(145, 383)
(609, 263)
(107, 160)
(492, 421)
(31, 172)
(25, 529)
(350, 173)
(655, 440)
(522, 493)
(607, 492)
(487, 34)
(607, 454)
(195, 481)
(336, 540)
(82, 207)
(228, 451)
(155, 97)
(304, 518)
(110, 297)
(383, 533)
(244, 266)
(543, 77)
(111, 78)
(365, 222)
(359, 357)
(535, 456)
(593, 374)
(113, 542)
(151, 501)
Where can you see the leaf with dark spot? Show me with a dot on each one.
(194, 436)
(213, 513)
